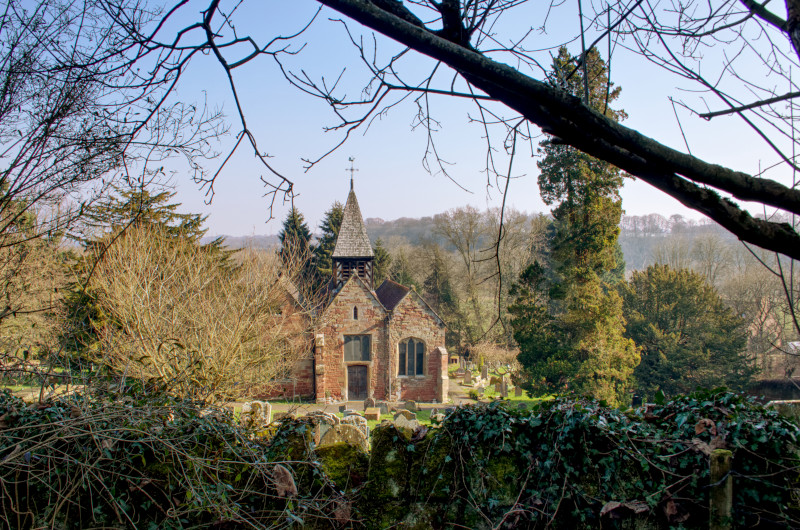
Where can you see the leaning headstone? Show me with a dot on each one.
(468, 378)
(372, 413)
(349, 434)
(342, 408)
(407, 414)
(369, 403)
(358, 421)
(517, 391)
(411, 405)
(485, 372)
(402, 423)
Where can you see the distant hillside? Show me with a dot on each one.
(236, 242)
(641, 236)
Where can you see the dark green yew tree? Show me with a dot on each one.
(688, 337)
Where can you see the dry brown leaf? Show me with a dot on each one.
(706, 425)
(284, 481)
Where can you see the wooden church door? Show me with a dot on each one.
(356, 383)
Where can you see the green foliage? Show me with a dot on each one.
(329, 228)
(147, 460)
(382, 262)
(562, 463)
(295, 238)
(401, 272)
(688, 337)
(139, 206)
(568, 325)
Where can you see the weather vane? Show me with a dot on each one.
(352, 170)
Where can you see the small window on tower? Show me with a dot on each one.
(355, 313)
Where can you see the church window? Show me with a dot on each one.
(357, 348)
(355, 313)
(411, 360)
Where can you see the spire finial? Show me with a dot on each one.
(352, 170)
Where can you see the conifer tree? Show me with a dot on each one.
(295, 238)
(689, 338)
(569, 327)
(382, 262)
(329, 228)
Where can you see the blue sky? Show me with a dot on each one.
(391, 181)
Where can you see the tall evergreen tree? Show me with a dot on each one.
(570, 327)
(295, 238)
(329, 229)
(382, 262)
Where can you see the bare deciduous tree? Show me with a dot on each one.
(178, 315)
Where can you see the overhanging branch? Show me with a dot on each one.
(564, 116)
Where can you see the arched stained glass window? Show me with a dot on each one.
(411, 358)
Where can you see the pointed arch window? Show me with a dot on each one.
(355, 312)
(411, 358)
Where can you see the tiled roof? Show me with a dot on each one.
(391, 293)
(353, 241)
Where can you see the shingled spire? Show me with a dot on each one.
(353, 251)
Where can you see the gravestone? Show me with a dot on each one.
(439, 418)
(517, 391)
(495, 380)
(369, 403)
(411, 405)
(255, 414)
(459, 372)
(349, 434)
(522, 406)
(434, 410)
(485, 372)
(402, 423)
(372, 413)
(407, 414)
(468, 378)
(323, 422)
(498, 387)
(347, 412)
(359, 421)
(384, 407)
(504, 389)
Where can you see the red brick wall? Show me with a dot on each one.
(336, 323)
(412, 319)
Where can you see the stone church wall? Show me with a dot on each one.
(338, 322)
(411, 319)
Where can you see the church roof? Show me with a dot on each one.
(391, 293)
(352, 241)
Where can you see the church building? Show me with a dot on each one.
(385, 343)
